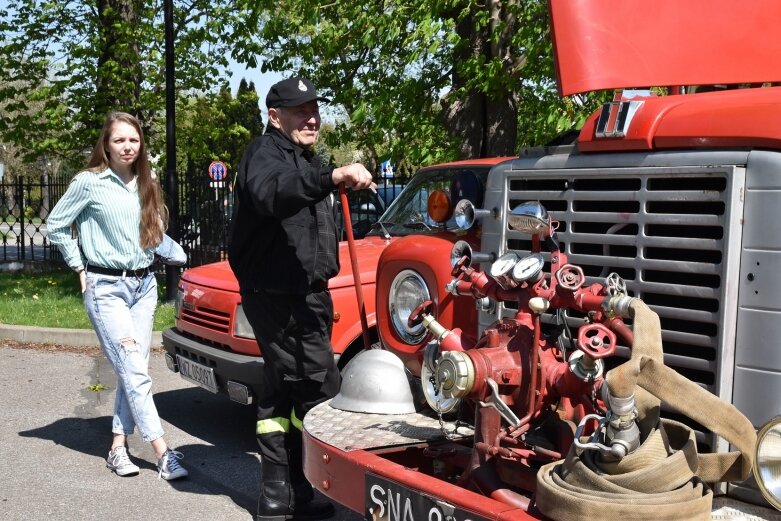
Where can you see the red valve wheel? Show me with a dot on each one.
(570, 277)
(597, 341)
(417, 315)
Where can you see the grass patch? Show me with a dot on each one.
(53, 299)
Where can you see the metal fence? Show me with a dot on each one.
(24, 206)
(205, 208)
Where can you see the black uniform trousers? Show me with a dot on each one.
(299, 372)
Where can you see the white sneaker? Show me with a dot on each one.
(169, 466)
(119, 461)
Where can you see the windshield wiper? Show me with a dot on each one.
(417, 222)
(381, 224)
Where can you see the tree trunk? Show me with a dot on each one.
(486, 126)
(119, 63)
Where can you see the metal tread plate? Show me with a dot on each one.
(349, 431)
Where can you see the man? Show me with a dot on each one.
(283, 250)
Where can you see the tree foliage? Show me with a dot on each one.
(77, 60)
(217, 126)
(428, 80)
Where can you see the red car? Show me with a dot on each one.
(212, 344)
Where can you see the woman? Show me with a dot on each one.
(117, 209)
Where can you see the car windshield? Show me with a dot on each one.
(408, 213)
(366, 208)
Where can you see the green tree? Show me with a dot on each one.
(80, 59)
(217, 126)
(431, 80)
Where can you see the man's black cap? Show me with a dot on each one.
(292, 92)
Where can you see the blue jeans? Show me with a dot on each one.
(121, 310)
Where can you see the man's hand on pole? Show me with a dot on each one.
(354, 176)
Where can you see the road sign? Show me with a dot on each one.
(218, 171)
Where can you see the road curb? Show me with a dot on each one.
(58, 335)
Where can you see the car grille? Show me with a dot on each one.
(207, 318)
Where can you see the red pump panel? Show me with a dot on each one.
(609, 44)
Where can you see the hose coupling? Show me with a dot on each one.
(621, 305)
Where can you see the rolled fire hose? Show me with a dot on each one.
(666, 477)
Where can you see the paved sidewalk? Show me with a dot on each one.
(55, 433)
(58, 335)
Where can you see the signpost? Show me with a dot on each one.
(218, 171)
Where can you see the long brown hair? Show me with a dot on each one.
(153, 211)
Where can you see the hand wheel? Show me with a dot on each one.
(597, 341)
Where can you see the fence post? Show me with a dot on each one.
(20, 204)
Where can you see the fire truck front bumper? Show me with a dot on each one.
(375, 465)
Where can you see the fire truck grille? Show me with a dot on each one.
(663, 234)
(207, 318)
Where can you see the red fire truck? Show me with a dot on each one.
(521, 374)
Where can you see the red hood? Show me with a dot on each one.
(606, 44)
(220, 276)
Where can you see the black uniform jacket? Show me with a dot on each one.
(274, 233)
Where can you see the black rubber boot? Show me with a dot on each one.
(276, 501)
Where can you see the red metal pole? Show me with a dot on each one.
(348, 225)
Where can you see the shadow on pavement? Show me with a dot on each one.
(224, 464)
(230, 427)
(211, 418)
(90, 436)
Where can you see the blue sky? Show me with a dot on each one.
(263, 81)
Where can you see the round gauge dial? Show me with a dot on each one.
(528, 268)
(504, 264)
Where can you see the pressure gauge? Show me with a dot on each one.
(529, 268)
(502, 268)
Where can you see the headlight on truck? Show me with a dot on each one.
(408, 291)
(767, 461)
(241, 327)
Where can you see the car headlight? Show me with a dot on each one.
(178, 301)
(241, 327)
(767, 461)
(407, 292)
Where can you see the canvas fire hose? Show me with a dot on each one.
(664, 478)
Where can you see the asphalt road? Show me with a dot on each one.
(55, 433)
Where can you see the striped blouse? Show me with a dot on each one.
(107, 214)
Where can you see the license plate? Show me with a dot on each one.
(389, 501)
(197, 373)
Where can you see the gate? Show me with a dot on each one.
(25, 203)
(205, 208)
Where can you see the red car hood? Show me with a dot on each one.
(220, 276)
(603, 45)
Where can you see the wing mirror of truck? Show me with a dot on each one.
(466, 214)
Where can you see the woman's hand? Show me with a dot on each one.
(83, 280)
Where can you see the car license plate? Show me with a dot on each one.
(197, 373)
(389, 501)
